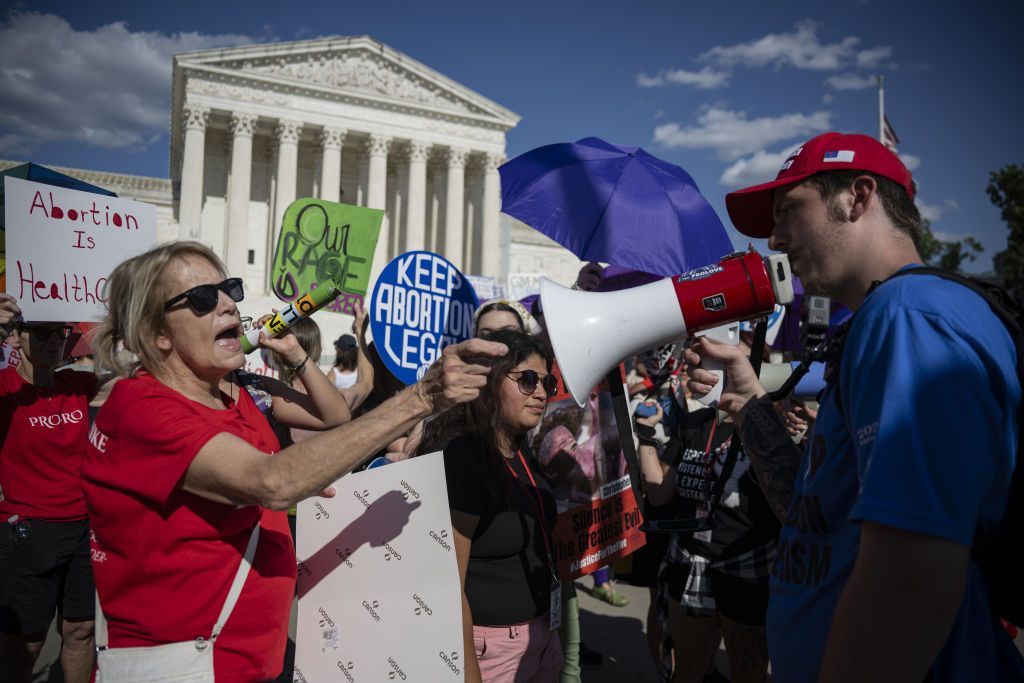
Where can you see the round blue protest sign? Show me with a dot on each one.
(420, 304)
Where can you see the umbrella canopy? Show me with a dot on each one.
(614, 204)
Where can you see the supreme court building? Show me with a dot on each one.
(343, 119)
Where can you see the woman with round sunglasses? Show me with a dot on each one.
(184, 476)
(503, 517)
(44, 530)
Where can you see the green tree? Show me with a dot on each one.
(948, 254)
(1006, 190)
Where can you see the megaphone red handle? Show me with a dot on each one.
(735, 288)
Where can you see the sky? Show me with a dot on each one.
(724, 89)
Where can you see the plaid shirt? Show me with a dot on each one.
(697, 598)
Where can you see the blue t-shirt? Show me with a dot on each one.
(930, 394)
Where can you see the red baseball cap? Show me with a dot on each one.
(751, 209)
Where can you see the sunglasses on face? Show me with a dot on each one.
(44, 332)
(529, 379)
(203, 298)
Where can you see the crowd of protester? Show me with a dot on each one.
(181, 484)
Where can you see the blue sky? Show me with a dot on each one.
(724, 89)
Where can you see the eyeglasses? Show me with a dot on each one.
(203, 298)
(529, 379)
(44, 332)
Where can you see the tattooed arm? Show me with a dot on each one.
(773, 455)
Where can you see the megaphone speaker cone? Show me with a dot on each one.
(591, 332)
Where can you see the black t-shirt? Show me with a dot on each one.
(508, 580)
(744, 520)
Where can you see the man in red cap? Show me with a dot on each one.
(873, 579)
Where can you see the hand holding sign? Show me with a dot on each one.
(9, 314)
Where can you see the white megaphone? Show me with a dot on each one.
(591, 332)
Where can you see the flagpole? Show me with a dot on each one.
(881, 110)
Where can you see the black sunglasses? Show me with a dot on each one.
(44, 332)
(529, 379)
(203, 298)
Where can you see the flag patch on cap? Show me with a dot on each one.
(843, 155)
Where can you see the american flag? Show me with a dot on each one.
(889, 137)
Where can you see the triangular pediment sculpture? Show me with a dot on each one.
(357, 66)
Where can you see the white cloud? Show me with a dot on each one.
(705, 79)
(934, 212)
(910, 161)
(108, 87)
(850, 82)
(759, 168)
(799, 49)
(731, 134)
(873, 58)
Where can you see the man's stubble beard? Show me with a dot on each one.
(827, 281)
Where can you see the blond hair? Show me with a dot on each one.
(136, 292)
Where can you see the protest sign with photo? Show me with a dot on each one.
(421, 304)
(62, 245)
(379, 591)
(579, 453)
(320, 241)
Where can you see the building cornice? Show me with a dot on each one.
(105, 179)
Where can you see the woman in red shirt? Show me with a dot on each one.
(182, 465)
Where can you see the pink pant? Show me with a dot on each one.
(519, 653)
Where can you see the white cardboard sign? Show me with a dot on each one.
(379, 591)
(62, 245)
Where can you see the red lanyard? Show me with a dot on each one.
(540, 504)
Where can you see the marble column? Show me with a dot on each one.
(377, 193)
(491, 250)
(239, 189)
(331, 140)
(190, 207)
(287, 169)
(400, 217)
(364, 176)
(435, 219)
(415, 220)
(455, 196)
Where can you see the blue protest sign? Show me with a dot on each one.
(774, 324)
(421, 304)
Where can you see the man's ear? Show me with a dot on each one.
(865, 191)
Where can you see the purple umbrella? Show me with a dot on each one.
(614, 278)
(614, 204)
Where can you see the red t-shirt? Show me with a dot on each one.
(44, 438)
(163, 558)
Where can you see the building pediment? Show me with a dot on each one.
(359, 67)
